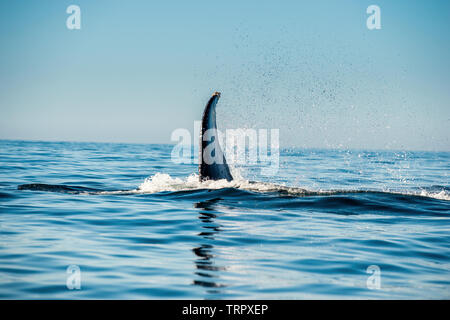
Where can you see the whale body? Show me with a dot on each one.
(212, 162)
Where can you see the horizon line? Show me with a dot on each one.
(175, 143)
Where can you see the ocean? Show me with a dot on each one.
(123, 221)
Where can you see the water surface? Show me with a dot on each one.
(141, 227)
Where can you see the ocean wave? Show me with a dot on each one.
(161, 182)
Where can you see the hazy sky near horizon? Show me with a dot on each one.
(138, 70)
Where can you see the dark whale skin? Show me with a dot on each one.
(213, 171)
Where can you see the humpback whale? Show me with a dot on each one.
(212, 162)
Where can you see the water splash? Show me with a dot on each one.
(161, 182)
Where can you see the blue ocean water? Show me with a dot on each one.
(139, 226)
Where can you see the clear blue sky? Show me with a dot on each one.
(137, 70)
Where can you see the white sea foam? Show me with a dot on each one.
(442, 195)
(164, 182)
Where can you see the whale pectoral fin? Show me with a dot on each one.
(212, 162)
